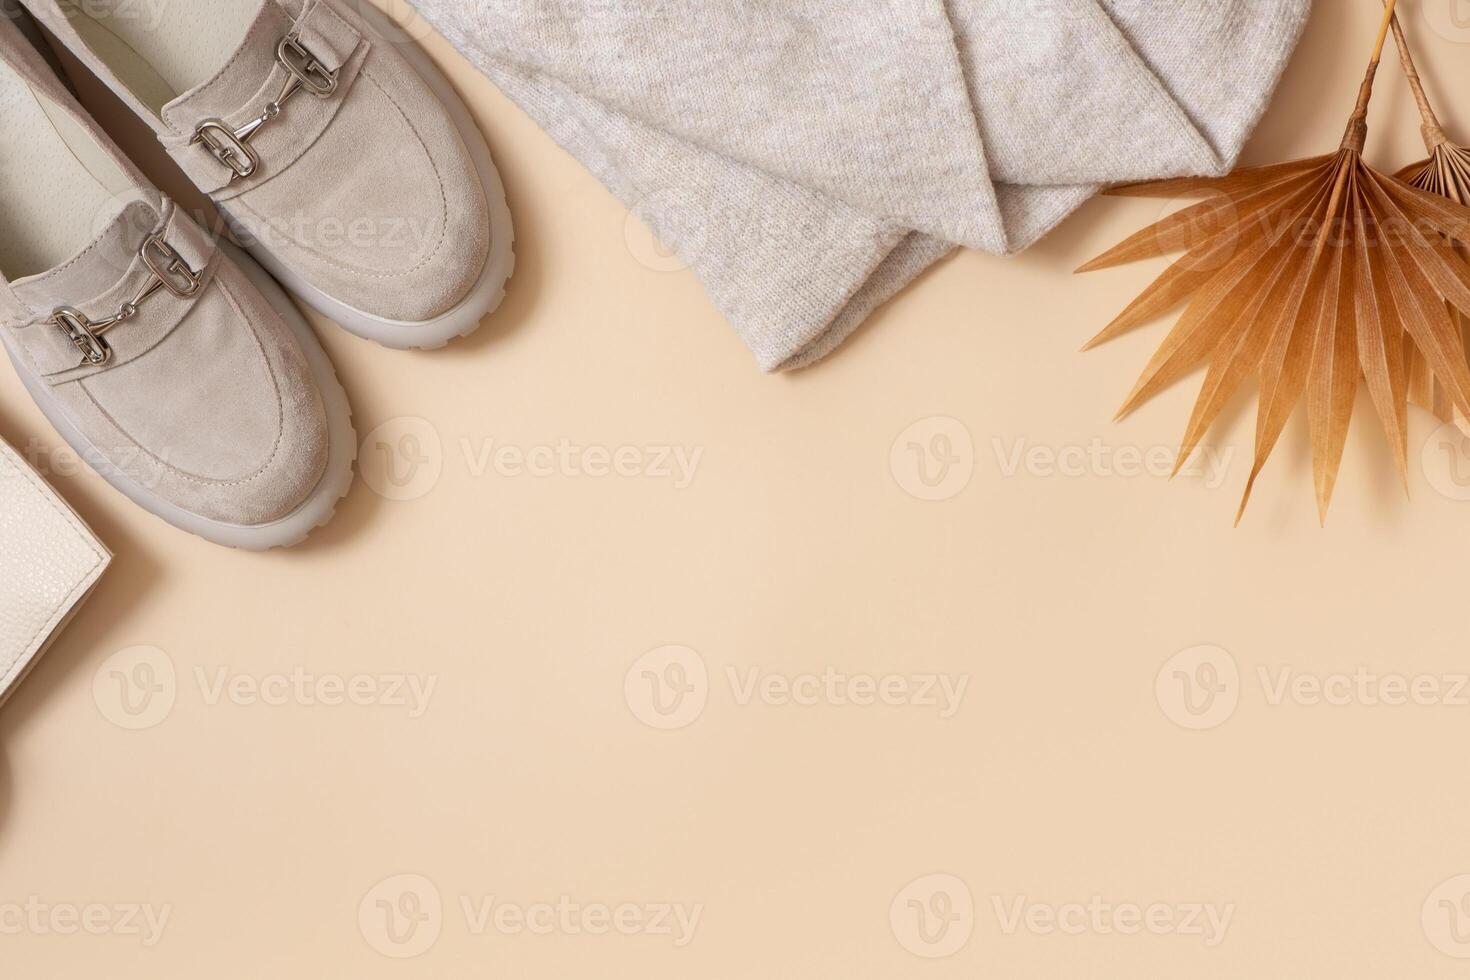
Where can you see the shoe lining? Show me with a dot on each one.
(58, 188)
(160, 51)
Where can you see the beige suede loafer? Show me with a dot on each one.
(340, 156)
(174, 366)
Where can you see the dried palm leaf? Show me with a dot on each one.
(1446, 173)
(1308, 276)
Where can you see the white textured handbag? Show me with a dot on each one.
(49, 563)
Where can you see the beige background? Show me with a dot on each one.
(1069, 602)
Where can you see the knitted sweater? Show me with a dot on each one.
(808, 158)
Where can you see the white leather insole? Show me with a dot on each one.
(51, 203)
(162, 49)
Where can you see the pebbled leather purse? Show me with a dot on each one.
(49, 563)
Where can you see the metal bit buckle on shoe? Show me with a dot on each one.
(231, 147)
(167, 270)
(304, 68)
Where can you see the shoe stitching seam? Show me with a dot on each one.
(280, 413)
(443, 202)
(169, 111)
(79, 256)
(70, 13)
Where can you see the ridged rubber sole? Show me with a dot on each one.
(315, 511)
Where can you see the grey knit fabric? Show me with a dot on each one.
(808, 158)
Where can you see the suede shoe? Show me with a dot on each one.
(173, 365)
(340, 156)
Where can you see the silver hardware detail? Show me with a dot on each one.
(167, 270)
(231, 147)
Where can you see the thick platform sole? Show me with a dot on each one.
(314, 512)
